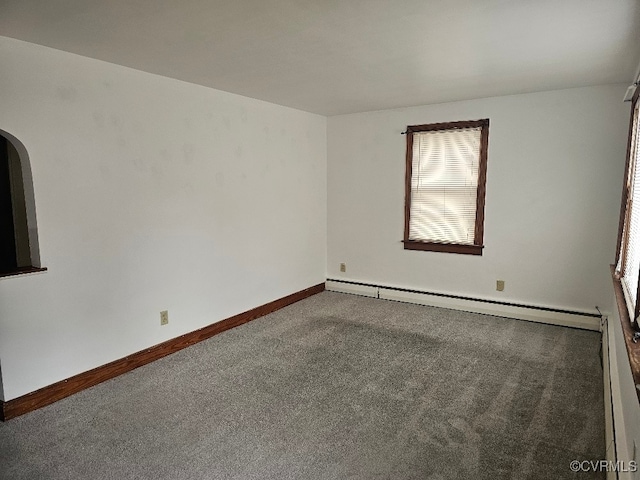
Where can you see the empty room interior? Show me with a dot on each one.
(292, 239)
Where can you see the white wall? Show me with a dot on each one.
(555, 169)
(151, 194)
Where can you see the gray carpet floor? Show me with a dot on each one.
(334, 387)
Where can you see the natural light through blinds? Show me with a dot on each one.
(444, 185)
(629, 263)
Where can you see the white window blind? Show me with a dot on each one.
(629, 263)
(444, 185)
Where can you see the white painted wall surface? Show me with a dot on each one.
(555, 169)
(151, 194)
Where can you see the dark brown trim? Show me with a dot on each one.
(482, 184)
(636, 313)
(624, 201)
(484, 123)
(633, 349)
(407, 184)
(477, 248)
(58, 391)
(622, 247)
(443, 247)
(22, 271)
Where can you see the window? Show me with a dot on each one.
(628, 255)
(445, 186)
(18, 232)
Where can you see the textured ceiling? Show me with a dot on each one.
(344, 56)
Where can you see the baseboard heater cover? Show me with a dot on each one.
(552, 316)
(64, 388)
(609, 371)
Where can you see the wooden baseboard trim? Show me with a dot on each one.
(58, 391)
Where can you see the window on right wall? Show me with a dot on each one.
(446, 174)
(628, 253)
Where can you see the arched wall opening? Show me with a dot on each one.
(19, 247)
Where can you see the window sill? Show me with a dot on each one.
(633, 349)
(22, 271)
(443, 247)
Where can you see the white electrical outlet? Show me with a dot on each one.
(343, 267)
(164, 317)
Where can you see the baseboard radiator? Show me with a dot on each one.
(553, 316)
(622, 407)
(609, 371)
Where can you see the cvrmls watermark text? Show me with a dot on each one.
(603, 466)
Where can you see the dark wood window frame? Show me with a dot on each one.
(629, 326)
(478, 245)
(628, 331)
(625, 210)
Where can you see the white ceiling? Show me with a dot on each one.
(343, 56)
